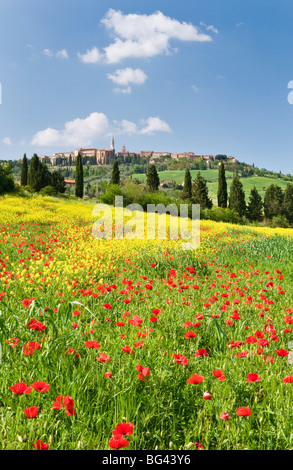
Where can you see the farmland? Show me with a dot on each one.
(260, 182)
(188, 349)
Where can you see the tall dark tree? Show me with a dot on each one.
(115, 178)
(24, 171)
(187, 188)
(57, 181)
(222, 187)
(79, 176)
(254, 211)
(273, 201)
(35, 174)
(237, 196)
(287, 205)
(200, 193)
(153, 180)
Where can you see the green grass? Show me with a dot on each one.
(165, 408)
(260, 182)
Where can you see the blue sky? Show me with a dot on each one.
(207, 76)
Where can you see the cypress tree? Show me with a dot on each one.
(153, 180)
(222, 187)
(237, 196)
(255, 206)
(200, 193)
(57, 181)
(273, 201)
(187, 189)
(24, 171)
(287, 205)
(35, 174)
(115, 179)
(79, 176)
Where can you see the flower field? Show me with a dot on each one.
(137, 344)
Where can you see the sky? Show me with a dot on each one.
(203, 76)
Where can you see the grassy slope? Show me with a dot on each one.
(260, 182)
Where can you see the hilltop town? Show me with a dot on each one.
(106, 156)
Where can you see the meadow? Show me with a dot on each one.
(137, 344)
(260, 182)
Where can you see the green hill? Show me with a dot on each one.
(260, 182)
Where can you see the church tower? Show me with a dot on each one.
(112, 143)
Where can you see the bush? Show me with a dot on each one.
(48, 191)
(220, 214)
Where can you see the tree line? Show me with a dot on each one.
(276, 203)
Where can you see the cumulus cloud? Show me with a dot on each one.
(92, 56)
(76, 132)
(154, 124)
(141, 36)
(84, 132)
(62, 54)
(126, 90)
(48, 52)
(124, 77)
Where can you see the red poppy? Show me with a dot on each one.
(103, 358)
(201, 352)
(57, 405)
(118, 442)
(156, 311)
(92, 344)
(36, 325)
(224, 416)
(40, 386)
(40, 445)
(217, 373)
(20, 388)
(282, 352)
(69, 403)
(190, 334)
(207, 396)
(30, 347)
(243, 411)
(180, 359)
(288, 379)
(251, 339)
(195, 379)
(107, 306)
(26, 302)
(253, 377)
(126, 429)
(108, 375)
(31, 412)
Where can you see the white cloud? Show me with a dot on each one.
(194, 88)
(77, 132)
(7, 141)
(210, 27)
(48, 52)
(62, 54)
(141, 36)
(124, 77)
(126, 90)
(125, 127)
(84, 132)
(91, 56)
(154, 124)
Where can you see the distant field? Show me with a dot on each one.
(260, 182)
